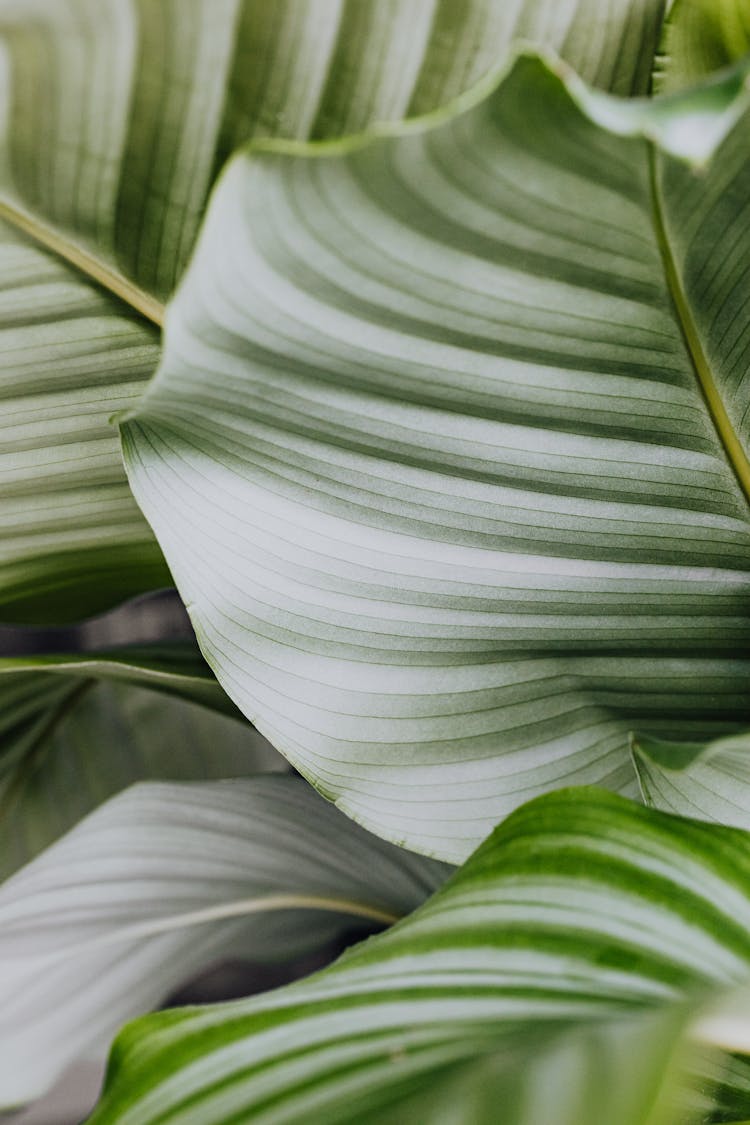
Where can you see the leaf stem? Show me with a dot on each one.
(84, 261)
(722, 423)
(241, 907)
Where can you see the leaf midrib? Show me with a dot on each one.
(84, 262)
(728, 437)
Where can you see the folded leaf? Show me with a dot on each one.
(72, 540)
(525, 969)
(161, 882)
(120, 115)
(438, 460)
(698, 37)
(710, 781)
(76, 729)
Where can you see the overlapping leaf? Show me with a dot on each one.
(76, 729)
(121, 111)
(517, 985)
(119, 115)
(699, 37)
(159, 883)
(445, 448)
(72, 540)
(709, 781)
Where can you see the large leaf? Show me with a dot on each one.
(120, 113)
(445, 444)
(76, 729)
(582, 909)
(159, 883)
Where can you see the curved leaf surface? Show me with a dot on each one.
(75, 730)
(161, 882)
(582, 909)
(72, 540)
(699, 37)
(120, 114)
(710, 781)
(445, 449)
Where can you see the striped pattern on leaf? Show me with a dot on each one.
(582, 909)
(122, 111)
(120, 114)
(75, 730)
(72, 540)
(710, 781)
(163, 881)
(431, 461)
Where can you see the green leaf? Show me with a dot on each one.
(699, 37)
(162, 881)
(76, 729)
(445, 447)
(710, 781)
(72, 539)
(120, 116)
(531, 965)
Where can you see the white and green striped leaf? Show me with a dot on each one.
(445, 451)
(518, 985)
(710, 781)
(161, 882)
(74, 730)
(119, 115)
(122, 111)
(72, 540)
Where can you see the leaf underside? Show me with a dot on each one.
(445, 451)
(120, 115)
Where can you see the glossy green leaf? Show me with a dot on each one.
(120, 114)
(526, 972)
(161, 882)
(76, 729)
(445, 448)
(699, 37)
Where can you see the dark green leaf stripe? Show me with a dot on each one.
(123, 110)
(120, 114)
(163, 881)
(72, 540)
(431, 462)
(74, 730)
(581, 907)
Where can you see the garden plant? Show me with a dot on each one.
(409, 340)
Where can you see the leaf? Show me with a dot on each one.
(162, 881)
(579, 912)
(120, 116)
(710, 781)
(72, 539)
(76, 729)
(699, 37)
(431, 456)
